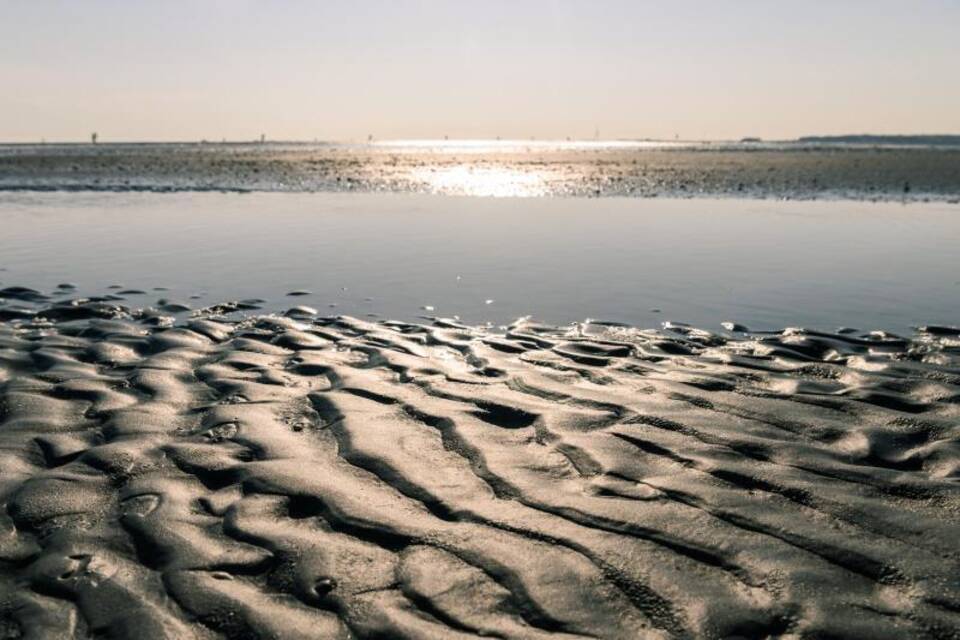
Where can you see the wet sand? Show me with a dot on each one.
(177, 476)
(795, 171)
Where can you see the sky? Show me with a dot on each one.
(331, 70)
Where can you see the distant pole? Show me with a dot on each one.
(263, 138)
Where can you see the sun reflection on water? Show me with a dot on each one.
(497, 182)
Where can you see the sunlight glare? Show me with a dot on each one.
(499, 182)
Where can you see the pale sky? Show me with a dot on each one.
(710, 69)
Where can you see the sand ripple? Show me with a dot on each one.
(279, 478)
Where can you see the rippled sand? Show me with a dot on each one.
(303, 477)
(496, 169)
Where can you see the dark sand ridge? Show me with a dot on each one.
(304, 477)
(780, 171)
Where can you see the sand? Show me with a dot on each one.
(804, 171)
(202, 476)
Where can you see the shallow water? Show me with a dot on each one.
(766, 264)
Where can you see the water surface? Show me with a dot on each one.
(766, 264)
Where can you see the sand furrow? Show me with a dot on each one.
(265, 477)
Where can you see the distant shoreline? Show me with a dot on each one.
(843, 139)
(926, 140)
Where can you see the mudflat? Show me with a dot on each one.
(498, 168)
(167, 475)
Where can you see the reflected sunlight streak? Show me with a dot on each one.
(497, 182)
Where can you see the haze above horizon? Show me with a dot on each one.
(428, 69)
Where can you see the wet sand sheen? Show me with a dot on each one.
(331, 477)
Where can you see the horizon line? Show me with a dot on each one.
(372, 141)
